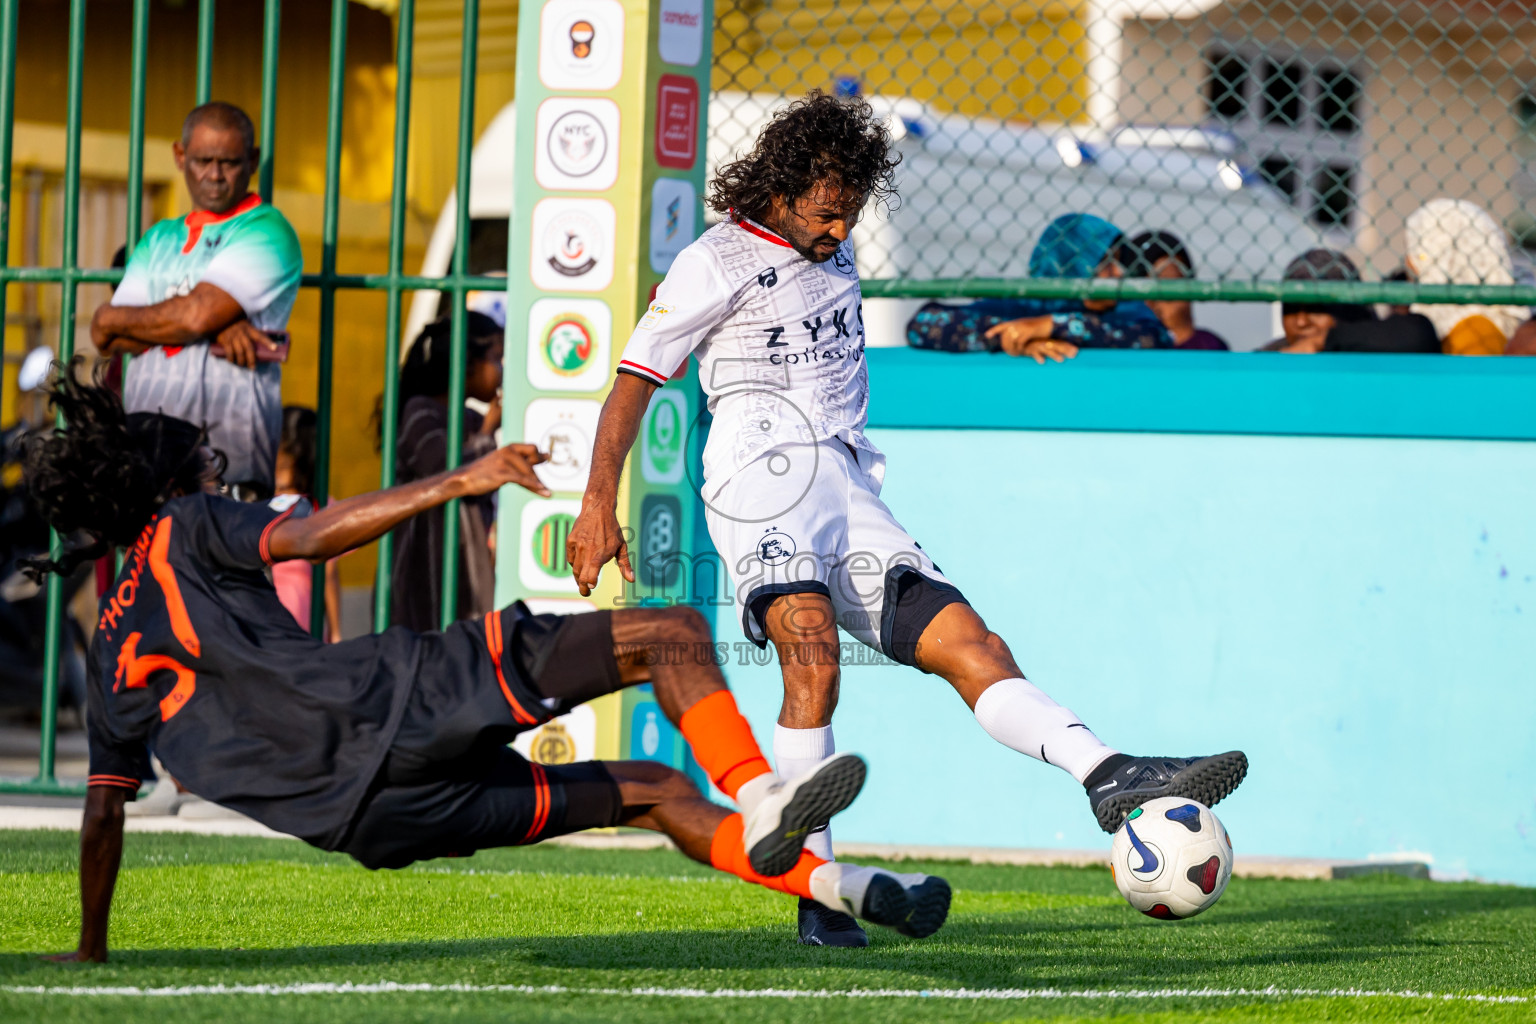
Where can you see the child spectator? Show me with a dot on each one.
(1074, 245)
(1162, 255)
(416, 581)
(294, 482)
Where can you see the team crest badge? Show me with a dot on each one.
(775, 548)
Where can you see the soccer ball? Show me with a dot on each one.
(1172, 858)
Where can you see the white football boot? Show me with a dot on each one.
(777, 814)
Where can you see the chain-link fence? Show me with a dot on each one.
(1399, 133)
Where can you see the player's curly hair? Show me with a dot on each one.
(816, 139)
(105, 472)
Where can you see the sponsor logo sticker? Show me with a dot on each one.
(680, 38)
(663, 435)
(677, 121)
(576, 144)
(571, 737)
(661, 535)
(573, 244)
(568, 343)
(564, 428)
(581, 44)
(653, 314)
(543, 527)
(673, 205)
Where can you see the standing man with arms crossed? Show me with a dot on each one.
(205, 299)
(768, 302)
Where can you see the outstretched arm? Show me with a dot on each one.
(101, 851)
(596, 539)
(344, 525)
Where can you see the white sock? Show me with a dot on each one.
(842, 886)
(1018, 714)
(796, 752)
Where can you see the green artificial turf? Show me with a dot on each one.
(200, 910)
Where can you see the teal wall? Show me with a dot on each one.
(1358, 613)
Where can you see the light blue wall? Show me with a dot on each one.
(1358, 614)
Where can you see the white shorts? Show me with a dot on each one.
(809, 519)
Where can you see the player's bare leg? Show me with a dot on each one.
(673, 650)
(803, 629)
(663, 800)
(958, 646)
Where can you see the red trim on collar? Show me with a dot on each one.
(198, 218)
(761, 232)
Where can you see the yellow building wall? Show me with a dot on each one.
(1012, 61)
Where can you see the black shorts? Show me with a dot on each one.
(450, 785)
(505, 801)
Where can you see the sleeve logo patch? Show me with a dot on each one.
(653, 315)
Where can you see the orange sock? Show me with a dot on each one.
(722, 742)
(726, 853)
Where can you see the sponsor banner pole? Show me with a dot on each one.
(607, 190)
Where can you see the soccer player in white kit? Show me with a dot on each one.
(768, 302)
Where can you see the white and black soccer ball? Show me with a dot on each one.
(1172, 858)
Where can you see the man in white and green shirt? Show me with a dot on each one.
(225, 274)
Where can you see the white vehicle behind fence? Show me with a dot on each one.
(975, 196)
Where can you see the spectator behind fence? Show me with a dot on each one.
(1076, 245)
(1452, 241)
(421, 450)
(1162, 255)
(295, 482)
(1312, 327)
(1306, 324)
(204, 302)
(1523, 341)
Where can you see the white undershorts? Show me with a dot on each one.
(809, 519)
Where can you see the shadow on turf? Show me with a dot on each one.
(1344, 926)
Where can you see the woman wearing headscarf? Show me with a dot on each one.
(1320, 326)
(1076, 245)
(1453, 241)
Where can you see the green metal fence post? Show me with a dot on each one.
(7, 112)
(271, 26)
(336, 95)
(205, 11)
(388, 412)
(140, 47)
(52, 647)
(459, 347)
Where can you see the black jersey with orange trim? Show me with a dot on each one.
(196, 659)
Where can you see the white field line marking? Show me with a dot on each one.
(1009, 994)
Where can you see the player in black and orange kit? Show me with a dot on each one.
(391, 748)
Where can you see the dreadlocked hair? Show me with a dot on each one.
(104, 473)
(816, 140)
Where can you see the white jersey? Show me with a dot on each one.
(779, 340)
